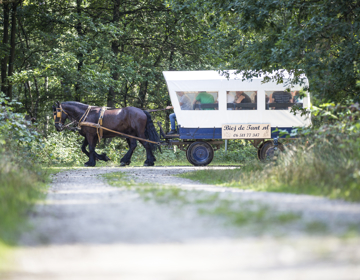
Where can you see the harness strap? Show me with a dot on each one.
(99, 130)
(84, 116)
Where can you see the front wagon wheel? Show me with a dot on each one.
(200, 153)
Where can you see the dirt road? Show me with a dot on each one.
(172, 228)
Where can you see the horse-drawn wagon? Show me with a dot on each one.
(228, 107)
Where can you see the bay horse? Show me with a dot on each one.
(129, 120)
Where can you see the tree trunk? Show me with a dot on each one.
(115, 48)
(37, 99)
(12, 46)
(142, 93)
(80, 56)
(5, 42)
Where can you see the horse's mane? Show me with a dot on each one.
(76, 104)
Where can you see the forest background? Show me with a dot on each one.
(112, 53)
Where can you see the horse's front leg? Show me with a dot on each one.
(92, 154)
(126, 160)
(83, 147)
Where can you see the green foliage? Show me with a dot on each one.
(316, 38)
(14, 128)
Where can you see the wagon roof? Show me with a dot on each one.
(219, 75)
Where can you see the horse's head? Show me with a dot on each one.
(60, 116)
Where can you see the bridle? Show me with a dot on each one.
(58, 114)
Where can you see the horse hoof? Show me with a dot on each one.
(149, 164)
(106, 158)
(124, 163)
(87, 164)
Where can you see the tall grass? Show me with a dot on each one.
(20, 187)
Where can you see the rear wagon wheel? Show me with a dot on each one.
(200, 153)
(267, 150)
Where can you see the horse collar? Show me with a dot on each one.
(84, 116)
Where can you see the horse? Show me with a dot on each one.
(129, 120)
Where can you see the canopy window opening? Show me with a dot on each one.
(281, 100)
(241, 100)
(198, 100)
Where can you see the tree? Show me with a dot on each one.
(108, 52)
(318, 38)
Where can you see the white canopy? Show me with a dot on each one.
(213, 81)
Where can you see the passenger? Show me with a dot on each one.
(185, 104)
(230, 99)
(296, 96)
(241, 97)
(281, 97)
(205, 98)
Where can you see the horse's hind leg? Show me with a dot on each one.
(103, 157)
(150, 158)
(126, 160)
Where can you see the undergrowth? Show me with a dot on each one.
(64, 149)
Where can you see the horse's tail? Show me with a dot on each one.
(151, 133)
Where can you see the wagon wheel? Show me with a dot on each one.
(259, 149)
(200, 153)
(187, 152)
(267, 150)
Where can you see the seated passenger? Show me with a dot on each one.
(296, 96)
(241, 97)
(205, 98)
(281, 97)
(185, 104)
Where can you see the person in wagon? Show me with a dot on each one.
(242, 97)
(281, 97)
(185, 104)
(205, 98)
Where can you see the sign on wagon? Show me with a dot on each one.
(246, 131)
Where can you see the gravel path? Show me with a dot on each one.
(87, 229)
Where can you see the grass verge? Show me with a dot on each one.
(20, 189)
